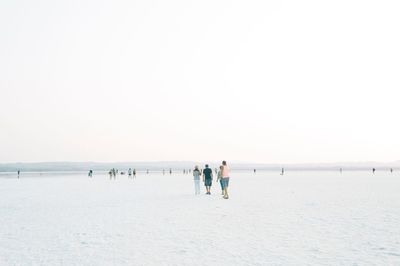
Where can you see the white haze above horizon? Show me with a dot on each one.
(254, 81)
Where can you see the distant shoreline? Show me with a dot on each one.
(181, 165)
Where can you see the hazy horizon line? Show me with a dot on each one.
(202, 161)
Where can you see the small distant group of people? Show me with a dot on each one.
(185, 171)
(113, 173)
(131, 173)
(223, 175)
(163, 171)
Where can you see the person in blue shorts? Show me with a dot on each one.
(225, 178)
(219, 178)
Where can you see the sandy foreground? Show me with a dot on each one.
(301, 218)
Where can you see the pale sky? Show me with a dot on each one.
(251, 81)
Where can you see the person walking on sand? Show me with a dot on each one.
(129, 173)
(225, 178)
(196, 177)
(114, 172)
(219, 178)
(373, 170)
(207, 179)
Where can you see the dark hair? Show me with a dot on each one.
(223, 162)
(206, 165)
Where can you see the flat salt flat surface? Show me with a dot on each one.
(301, 218)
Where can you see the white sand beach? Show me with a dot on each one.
(301, 218)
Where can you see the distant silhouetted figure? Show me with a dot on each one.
(147, 171)
(110, 173)
(129, 173)
(170, 171)
(90, 174)
(282, 171)
(255, 171)
(391, 170)
(18, 173)
(114, 172)
(373, 170)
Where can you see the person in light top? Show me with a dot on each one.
(196, 175)
(225, 178)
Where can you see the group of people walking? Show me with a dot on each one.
(223, 175)
(131, 173)
(113, 173)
